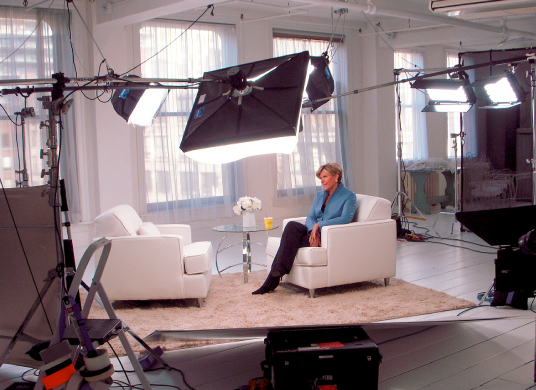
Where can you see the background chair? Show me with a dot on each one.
(150, 261)
(350, 253)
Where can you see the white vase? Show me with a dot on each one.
(248, 219)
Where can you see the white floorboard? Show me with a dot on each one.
(495, 351)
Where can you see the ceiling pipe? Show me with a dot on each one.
(271, 6)
(372, 9)
(275, 16)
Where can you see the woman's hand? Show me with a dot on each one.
(314, 238)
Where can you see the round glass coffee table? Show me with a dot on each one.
(246, 245)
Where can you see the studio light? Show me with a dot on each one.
(434, 106)
(320, 84)
(500, 91)
(137, 105)
(447, 95)
(247, 110)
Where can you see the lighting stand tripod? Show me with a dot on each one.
(454, 137)
(401, 196)
(23, 173)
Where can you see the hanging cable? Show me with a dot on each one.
(210, 6)
(8, 117)
(28, 37)
(89, 31)
(387, 43)
(331, 47)
(19, 171)
(69, 22)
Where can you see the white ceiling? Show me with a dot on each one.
(401, 23)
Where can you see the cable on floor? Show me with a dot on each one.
(155, 369)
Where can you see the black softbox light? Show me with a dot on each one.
(136, 103)
(257, 101)
(321, 84)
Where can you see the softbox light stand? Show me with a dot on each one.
(401, 196)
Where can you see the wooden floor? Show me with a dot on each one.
(483, 348)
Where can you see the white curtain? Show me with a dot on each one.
(179, 189)
(412, 101)
(323, 129)
(34, 44)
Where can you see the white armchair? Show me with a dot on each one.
(148, 261)
(355, 252)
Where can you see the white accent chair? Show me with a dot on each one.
(148, 261)
(355, 252)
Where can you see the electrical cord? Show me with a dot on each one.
(120, 363)
(461, 247)
(28, 37)
(12, 121)
(471, 308)
(406, 335)
(154, 369)
(460, 240)
(35, 373)
(387, 43)
(210, 6)
(17, 144)
(161, 368)
(333, 29)
(88, 31)
(429, 237)
(124, 385)
(531, 305)
(69, 29)
(58, 224)
(94, 80)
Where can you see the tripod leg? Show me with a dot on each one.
(406, 197)
(51, 276)
(486, 294)
(135, 363)
(149, 349)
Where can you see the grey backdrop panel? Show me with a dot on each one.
(34, 219)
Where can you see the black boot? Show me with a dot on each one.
(269, 285)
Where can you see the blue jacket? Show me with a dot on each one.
(340, 208)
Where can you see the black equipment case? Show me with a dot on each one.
(339, 357)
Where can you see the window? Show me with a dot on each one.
(185, 189)
(23, 63)
(34, 44)
(412, 101)
(320, 141)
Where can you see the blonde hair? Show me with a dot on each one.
(331, 168)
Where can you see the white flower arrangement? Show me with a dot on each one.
(247, 203)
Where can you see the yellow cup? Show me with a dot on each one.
(268, 222)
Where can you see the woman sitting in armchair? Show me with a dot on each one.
(335, 205)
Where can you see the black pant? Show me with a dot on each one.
(295, 236)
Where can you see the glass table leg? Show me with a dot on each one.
(246, 255)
